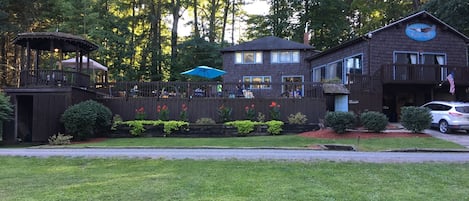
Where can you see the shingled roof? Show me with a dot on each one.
(268, 43)
(64, 41)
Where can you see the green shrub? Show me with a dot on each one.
(60, 139)
(274, 127)
(415, 119)
(340, 121)
(297, 118)
(116, 120)
(79, 121)
(85, 119)
(137, 126)
(6, 108)
(103, 117)
(260, 117)
(244, 126)
(205, 120)
(374, 121)
(170, 126)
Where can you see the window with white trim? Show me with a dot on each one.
(334, 70)
(285, 56)
(319, 73)
(433, 58)
(406, 58)
(354, 64)
(255, 82)
(248, 57)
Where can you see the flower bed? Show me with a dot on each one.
(208, 130)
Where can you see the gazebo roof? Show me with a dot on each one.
(54, 40)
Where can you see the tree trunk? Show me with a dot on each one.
(176, 6)
(225, 19)
(196, 21)
(213, 11)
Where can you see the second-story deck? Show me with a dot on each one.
(422, 74)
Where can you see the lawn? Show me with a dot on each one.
(59, 178)
(288, 141)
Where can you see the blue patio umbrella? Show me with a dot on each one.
(205, 72)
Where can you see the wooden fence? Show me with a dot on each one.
(313, 108)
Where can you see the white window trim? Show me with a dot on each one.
(291, 55)
(344, 70)
(255, 57)
(302, 80)
(405, 52)
(313, 70)
(263, 79)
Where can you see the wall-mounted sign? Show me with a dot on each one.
(420, 31)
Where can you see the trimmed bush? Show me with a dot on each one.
(340, 121)
(103, 117)
(416, 119)
(374, 121)
(297, 118)
(244, 127)
(85, 119)
(274, 127)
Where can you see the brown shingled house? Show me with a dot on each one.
(270, 60)
(404, 63)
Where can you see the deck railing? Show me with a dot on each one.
(53, 78)
(212, 89)
(422, 74)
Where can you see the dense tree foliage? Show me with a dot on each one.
(142, 40)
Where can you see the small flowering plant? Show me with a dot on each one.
(274, 111)
(183, 113)
(224, 113)
(140, 113)
(163, 112)
(250, 112)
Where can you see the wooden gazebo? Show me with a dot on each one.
(45, 89)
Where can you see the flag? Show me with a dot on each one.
(450, 79)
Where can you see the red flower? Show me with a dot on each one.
(158, 108)
(273, 104)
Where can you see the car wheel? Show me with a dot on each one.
(444, 126)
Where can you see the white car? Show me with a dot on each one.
(449, 115)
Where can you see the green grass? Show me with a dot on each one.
(292, 141)
(23, 178)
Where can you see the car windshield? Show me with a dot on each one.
(462, 109)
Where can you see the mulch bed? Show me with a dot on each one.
(330, 134)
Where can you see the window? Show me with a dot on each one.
(406, 58)
(354, 64)
(248, 57)
(285, 57)
(338, 70)
(255, 82)
(429, 58)
(319, 73)
(293, 86)
(334, 71)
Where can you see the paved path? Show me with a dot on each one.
(461, 138)
(246, 154)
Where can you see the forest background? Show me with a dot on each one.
(141, 40)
